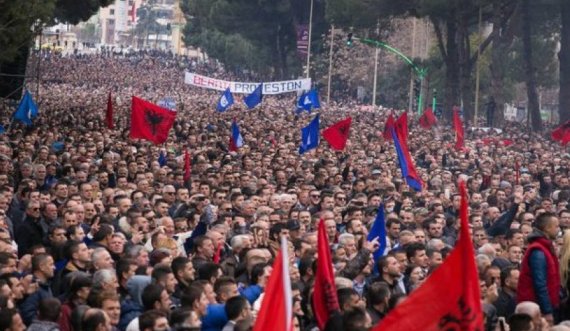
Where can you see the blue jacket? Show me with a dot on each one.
(537, 263)
(251, 293)
(29, 308)
(215, 318)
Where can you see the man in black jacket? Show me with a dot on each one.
(30, 232)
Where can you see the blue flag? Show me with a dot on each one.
(378, 230)
(162, 159)
(308, 101)
(27, 110)
(310, 136)
(2, 130)
(254, 99)
(225, 102)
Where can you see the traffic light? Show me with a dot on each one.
(349, 39)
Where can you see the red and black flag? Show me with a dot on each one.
(150, 122)
(427, 120)
(562, 133)
(337, 134)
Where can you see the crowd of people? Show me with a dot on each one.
(99, 232)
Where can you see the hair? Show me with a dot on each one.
(520, 322)
(542, 220)
(191, 295)
(6, 317)
(412, 248)
(150, 295)
(354, 320)
(178, 264)
(160, 272)
(103, 276)
(104, 231)
(5, 257)
(208, 270)
(235, 306)
(122, 266)
(92, 318)
(377, 293)
(38, 260)
(147, 319)
(222, 283)
(49, 309)
(344, 295)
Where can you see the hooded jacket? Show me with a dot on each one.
(132, 306)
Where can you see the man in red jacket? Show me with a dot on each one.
(540, 279)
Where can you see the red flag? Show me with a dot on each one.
(276, 312)
(427, 120)
(337, 134)
(402, 125)
(455, 284)
(109, 113)
(562, 133)
(325, 300)
(459, 131)
(150, 122)
(218, 254)
(388, 128)
(187, 171)
(134, 12)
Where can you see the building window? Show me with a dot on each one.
(112, 12)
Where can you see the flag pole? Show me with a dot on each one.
(376, 67)
(477, 72)
(411, 97)
(330, 66)
(310, 32)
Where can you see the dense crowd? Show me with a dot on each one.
(97, 234)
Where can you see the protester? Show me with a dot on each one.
(130, 235)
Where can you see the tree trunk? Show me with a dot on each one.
(501, 43)
(452, 70)
(465, 72)
(530, 72)
(564, 56)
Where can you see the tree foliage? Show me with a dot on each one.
(258, 35)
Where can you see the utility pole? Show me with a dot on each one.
(310, 33)
(376, 67)
(411, 97)
(330, 66)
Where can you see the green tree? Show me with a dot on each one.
(21, 21)
(258, 35)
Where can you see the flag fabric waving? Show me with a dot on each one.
(254, 98)
(459, 131)
(308, 101)
(402, 125)
(187, 170)
(562, 133)
(455, 284)
(310, 136)
(226, 101)
(325, 300)
(276, 312)
(236, 139)
(27, 109)
(405, 160)
(150, 122)
(427, 120)
(378, 230)
(390, 123)
(109, 113)
(337, 134)
(162, 159)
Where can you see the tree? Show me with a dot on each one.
(564, 56)
(21, 21)
(260, 32)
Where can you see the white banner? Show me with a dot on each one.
(246, 88)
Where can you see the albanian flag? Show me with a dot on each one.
(402, 126)
(325, 300)
(337, 134)
(455, 284)
(388, 128)
(427, 120)
(562, 133)
(459, 131)
(150, 122)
